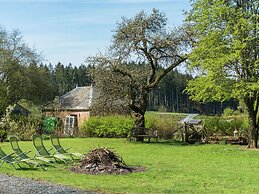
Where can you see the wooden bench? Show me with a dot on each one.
(139, 133)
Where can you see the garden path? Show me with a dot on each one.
(15, 185)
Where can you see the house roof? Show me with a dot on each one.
(20, 110)
(80, 98)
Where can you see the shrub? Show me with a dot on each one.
(120, 126)
(49, 124)
(3, 129)
(110, 126)
(24, 127)
(230, 112)
(167, 125)
(224, 125)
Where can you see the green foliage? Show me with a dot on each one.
(15, 56)
(49, 125)
(3, 129)
(226, 33)
(20, 126)
(226, 53)
(110, 126)
(68, 77)
(230, 112)
(166, 124)
(225, 125)
(120, 126)
(24, 127)
(6, 123)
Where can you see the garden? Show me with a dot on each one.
(216, 43)
(170, 166)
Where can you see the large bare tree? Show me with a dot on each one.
(142, 52)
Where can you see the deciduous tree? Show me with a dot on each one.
(226, 51)
(15, 54)
(143, 51)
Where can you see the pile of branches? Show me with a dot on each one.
(102, 161)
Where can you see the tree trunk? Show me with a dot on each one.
(139, 114)
(140, 125)
(253, 129)
(253, 126)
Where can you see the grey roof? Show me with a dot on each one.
(20, 110)
(79, 98)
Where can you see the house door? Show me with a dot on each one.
(71, 125)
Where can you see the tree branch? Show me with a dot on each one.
(165, 72)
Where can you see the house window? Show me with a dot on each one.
(71, 125)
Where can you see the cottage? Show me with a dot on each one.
(73, 108)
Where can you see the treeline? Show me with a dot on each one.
(170, 96)
(44, 82)
(40, 83)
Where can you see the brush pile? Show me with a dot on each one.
(103, 161)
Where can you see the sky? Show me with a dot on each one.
(69, 31)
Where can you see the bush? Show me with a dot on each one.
(166, 125)
(120, 126)
(224, 125)
(110, 126)
(3, 130)
(24, 127)
(49, 124)
(230, 112)
(20, 126)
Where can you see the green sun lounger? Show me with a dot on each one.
(43, 152)
(4, 158)
(23, 155)
(59, 149)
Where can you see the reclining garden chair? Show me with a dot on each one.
(43, 152)
(59, 149)
(23, 155)
(9, 159)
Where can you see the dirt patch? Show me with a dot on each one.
(104, 161)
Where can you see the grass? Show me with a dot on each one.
(171, 168)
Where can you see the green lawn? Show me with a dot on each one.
(171, 168)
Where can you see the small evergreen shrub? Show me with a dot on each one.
(49, 125)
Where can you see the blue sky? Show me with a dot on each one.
(71, 30)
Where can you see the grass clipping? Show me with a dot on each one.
(104, 161)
